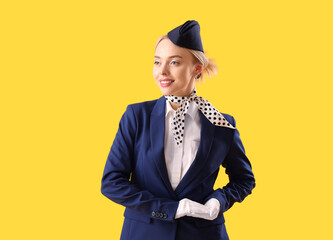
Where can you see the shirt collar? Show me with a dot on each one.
(193, 110)
(168, 108)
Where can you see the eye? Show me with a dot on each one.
(156, 62)
(173, 62)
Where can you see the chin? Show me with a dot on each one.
(166, 92)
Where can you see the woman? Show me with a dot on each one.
(166, 155)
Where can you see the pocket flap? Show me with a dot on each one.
(136, 216)
(204, 223)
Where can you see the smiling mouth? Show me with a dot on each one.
(166, 82)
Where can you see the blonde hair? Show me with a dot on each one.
(209, 68)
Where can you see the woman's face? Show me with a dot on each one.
(174, 69)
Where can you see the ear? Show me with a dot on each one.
(198, 69)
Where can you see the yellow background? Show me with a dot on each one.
(69, 68)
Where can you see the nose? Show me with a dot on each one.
(164, 70)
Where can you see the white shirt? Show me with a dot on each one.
(179, 159)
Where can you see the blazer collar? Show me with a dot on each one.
(159, 108)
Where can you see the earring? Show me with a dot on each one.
(198, 76)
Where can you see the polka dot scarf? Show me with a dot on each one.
(213, 115)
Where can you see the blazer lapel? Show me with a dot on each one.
(157, 132)
(192, 176)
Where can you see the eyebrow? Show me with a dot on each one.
(173, 56)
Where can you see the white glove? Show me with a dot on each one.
(209, 211)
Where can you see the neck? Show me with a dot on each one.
(175, 106)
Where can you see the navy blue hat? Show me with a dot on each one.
(187, 36)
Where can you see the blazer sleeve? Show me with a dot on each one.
(239, 170)
(116, 184)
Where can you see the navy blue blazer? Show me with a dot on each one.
(136, 177)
